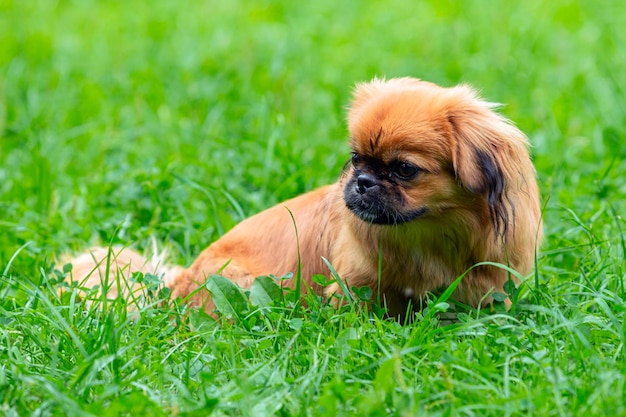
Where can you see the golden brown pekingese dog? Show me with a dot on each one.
(437, 183)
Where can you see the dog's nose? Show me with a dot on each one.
(364, 182)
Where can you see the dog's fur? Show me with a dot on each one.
(438, 182)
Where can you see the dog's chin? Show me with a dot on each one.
(384, 216)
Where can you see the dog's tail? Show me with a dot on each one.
(115, 269)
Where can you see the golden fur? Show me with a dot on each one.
(470, 196)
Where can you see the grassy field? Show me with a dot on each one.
(124, 121)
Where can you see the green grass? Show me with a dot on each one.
(123, 121)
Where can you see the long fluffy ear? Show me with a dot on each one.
(489, 154)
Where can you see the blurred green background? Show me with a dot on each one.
(125, 120)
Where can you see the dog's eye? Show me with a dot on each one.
(405, 170)
(355, 158)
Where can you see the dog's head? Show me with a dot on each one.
(420, 150)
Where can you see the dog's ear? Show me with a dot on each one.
(487, 153)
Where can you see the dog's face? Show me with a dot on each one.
(378, 189)
(420, 150)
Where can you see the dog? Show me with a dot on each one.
(437, 183)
